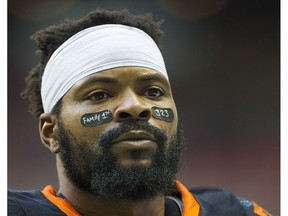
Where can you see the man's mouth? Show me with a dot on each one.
(136, 137)
(134, 147)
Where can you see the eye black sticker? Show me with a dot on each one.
(94, 119)
(165, 114)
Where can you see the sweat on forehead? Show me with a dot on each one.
(93, 50)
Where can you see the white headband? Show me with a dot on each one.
(93, 50)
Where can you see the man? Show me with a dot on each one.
(106, 111)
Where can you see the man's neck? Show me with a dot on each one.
(86, 203)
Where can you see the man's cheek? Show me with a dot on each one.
(163, 114)
(95, 119)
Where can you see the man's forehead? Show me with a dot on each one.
(122, 74)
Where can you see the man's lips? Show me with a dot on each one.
(134, 147)
(134, 137)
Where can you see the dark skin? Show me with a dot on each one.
(129, 93)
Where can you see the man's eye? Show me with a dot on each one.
(99, 96)
(154, 92)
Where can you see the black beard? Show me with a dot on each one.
(94, 169)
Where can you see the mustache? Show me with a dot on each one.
(105, 140)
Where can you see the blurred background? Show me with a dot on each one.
(223, 59)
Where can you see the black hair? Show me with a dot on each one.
(50, 38)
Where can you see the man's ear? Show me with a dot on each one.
(47, 130)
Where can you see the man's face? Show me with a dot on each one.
(133, 155)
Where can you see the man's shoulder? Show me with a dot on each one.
(220, 201)
(217, 201)
(216, 195)
(210, 193)
(29, 202)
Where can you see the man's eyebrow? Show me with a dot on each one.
(153, 77)
(97, 80)
(150, 77)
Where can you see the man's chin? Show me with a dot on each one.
(132, 182)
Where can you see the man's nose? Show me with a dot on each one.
(132, 107)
